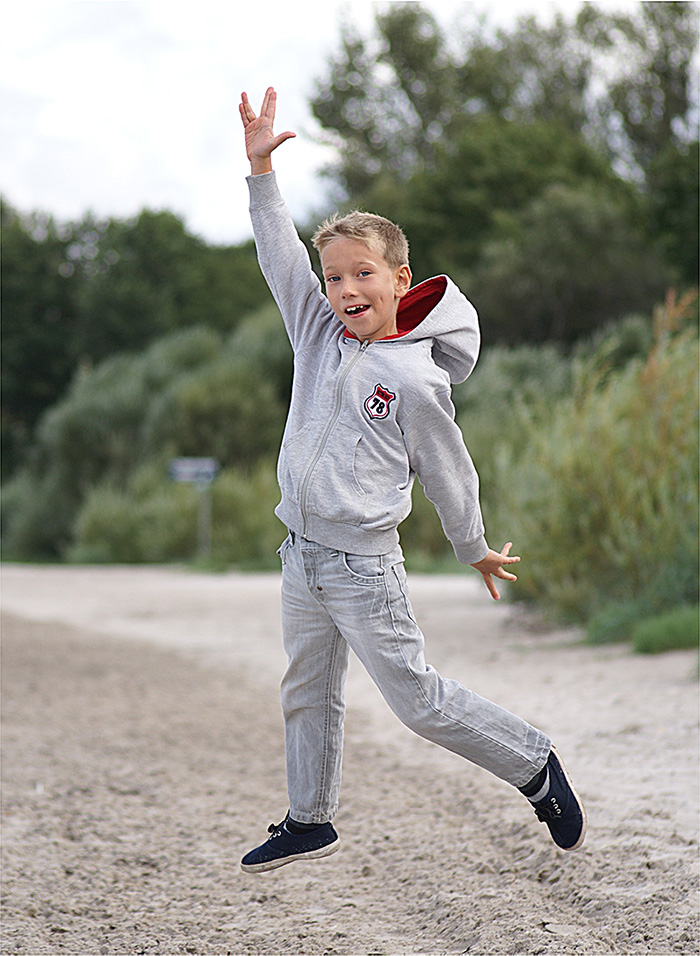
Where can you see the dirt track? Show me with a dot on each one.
(143, 755)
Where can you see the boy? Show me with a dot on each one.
(370, 409)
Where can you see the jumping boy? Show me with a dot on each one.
(370, 409)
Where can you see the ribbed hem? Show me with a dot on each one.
(263, 190)
(333, 534)
(471, 551)
(361, 540)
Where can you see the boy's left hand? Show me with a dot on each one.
(492, 566)
(260, 140)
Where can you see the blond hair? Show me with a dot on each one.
(375, 231)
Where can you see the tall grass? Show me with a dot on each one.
(674, 630)
(603, 497)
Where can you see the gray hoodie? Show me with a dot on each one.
(366, 418)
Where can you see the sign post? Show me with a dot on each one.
(200, 472)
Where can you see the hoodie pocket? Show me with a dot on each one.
(322, 473)
(296, 453)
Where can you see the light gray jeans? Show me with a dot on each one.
(334, 602)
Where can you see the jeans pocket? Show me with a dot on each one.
(364, 569)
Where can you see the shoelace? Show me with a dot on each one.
(276, 829)
(545, 814)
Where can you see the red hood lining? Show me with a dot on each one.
(416, 305)
(419, 302)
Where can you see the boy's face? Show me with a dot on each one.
(363, 290)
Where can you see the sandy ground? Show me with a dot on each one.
(143, 755)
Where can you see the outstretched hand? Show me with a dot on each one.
(260, 139)
(491, 567)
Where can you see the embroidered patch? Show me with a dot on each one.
(377, 405)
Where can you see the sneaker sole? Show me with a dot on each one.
(282, 861)
(579, 801)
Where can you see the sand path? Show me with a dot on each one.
(143, 754)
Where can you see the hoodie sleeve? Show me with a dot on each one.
(285, 263)
(439, 457)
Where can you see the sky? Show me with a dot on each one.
(111, 106)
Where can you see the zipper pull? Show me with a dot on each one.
(364, 345)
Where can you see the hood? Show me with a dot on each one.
(437, 310)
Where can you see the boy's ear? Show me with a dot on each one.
(403, 280)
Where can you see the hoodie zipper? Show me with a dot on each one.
(326, 435)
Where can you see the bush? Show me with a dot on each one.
(678, 629)
(615, 622)
(35, 526)
(190, 393)
(245, 530)
(154, 519)
(118, 526)
(610, 349)
(260, 342)
(223, 409)
(97, 435)
(603, 498)
(508, 397)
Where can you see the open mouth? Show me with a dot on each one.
(354, 310)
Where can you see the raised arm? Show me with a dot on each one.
(282, 255)
(260, 140)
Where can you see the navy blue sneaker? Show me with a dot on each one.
(560, 807)
(283, 846)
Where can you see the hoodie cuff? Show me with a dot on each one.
(263, 190)
(471, 551)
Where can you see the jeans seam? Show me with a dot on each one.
(453, 720)
(326, 724)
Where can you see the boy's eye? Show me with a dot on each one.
(330, 279)
(365, 272)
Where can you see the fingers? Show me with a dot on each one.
(269, 103)
(278, 140)
(267, 110)
(498, 571)
(267, 113)
(491, 587)
(505, 554)
(246, 111)
(505, 575)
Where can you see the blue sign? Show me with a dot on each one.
(198, 471)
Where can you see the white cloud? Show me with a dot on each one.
(113, 105)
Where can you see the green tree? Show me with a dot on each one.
(569, 263)
(39, 315)
(391, 102)
(385, 102)
(76, 293)
(674, 198)
(650, 101)
(625, 80)
(457, 139)
(526, 72)
(492, 169)
(147, 276)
